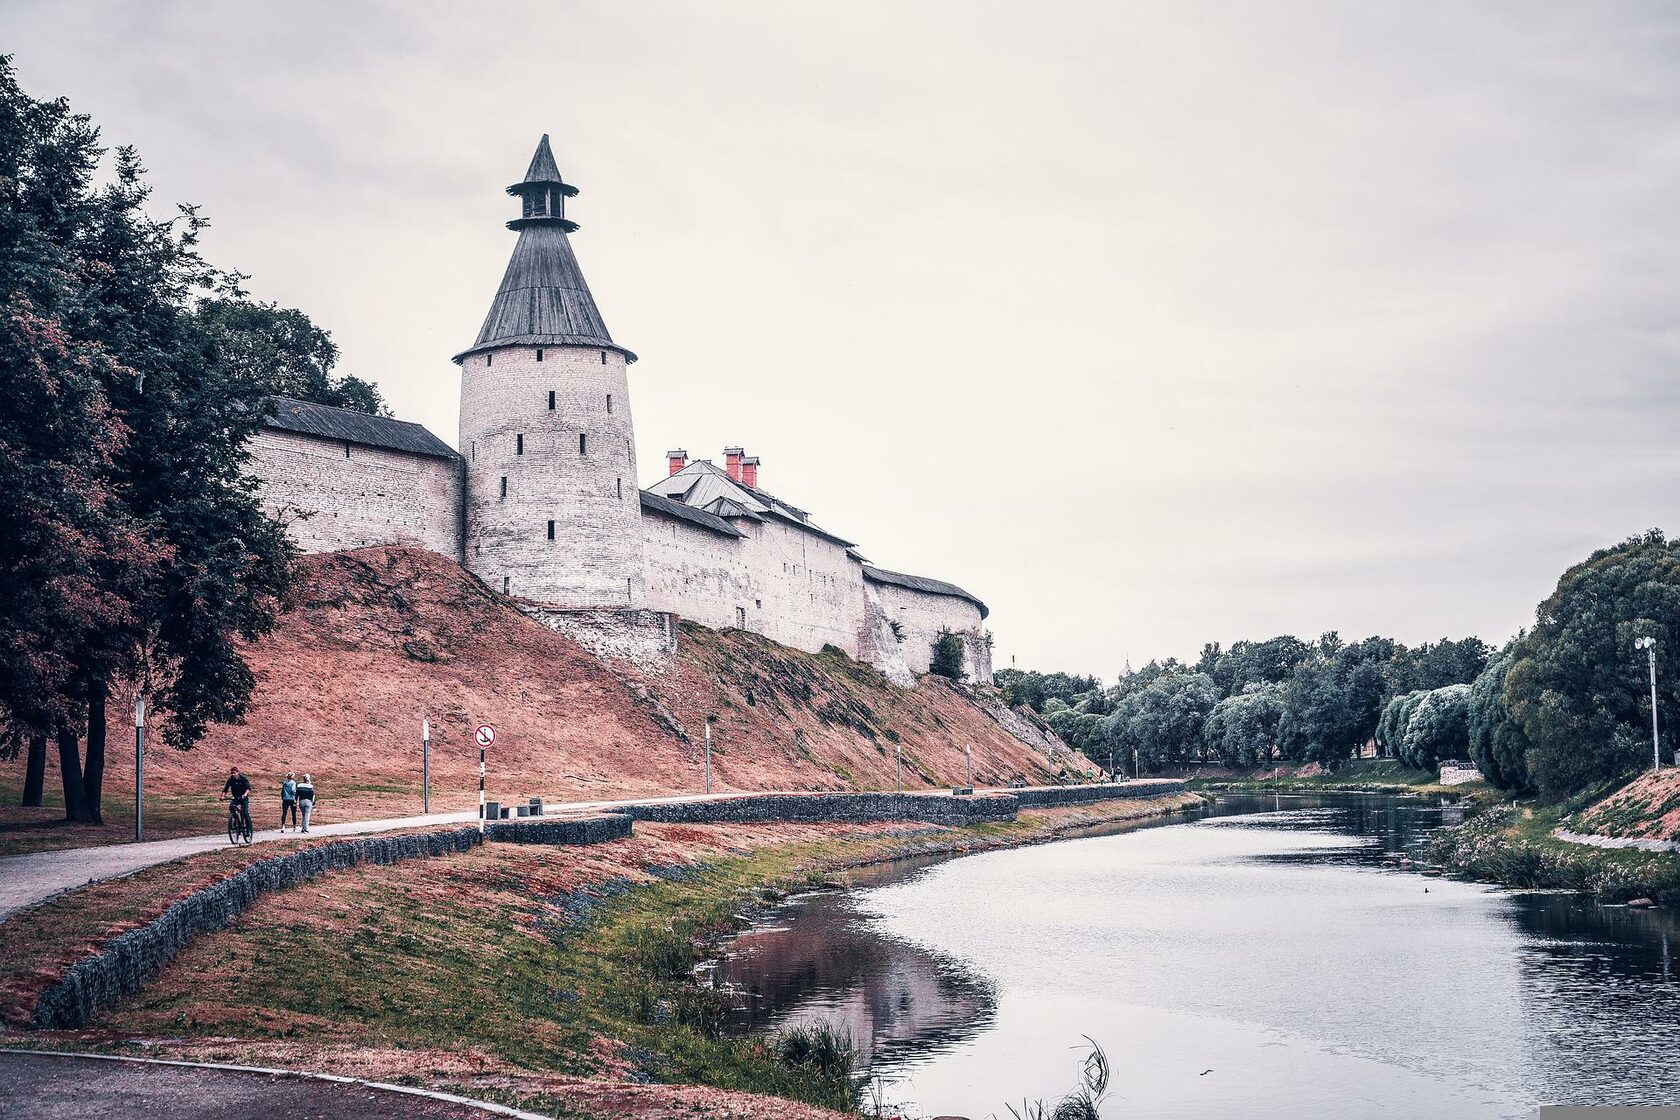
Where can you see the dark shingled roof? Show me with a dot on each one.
(543, 169)
(921, 583)
(684, 512)
(350, 426)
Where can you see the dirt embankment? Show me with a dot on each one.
(377, 639)
(1647, 808)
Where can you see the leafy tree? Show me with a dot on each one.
(1436, 727)
(947, 660)
(1272, 661)
(262, 343)
(1438, 664)
(1163, 721)
(1497, 743)
(1242, 729)
(1334, 699)
(1022, 686)
(1391, 725)
(139, 551)
(1576, 687)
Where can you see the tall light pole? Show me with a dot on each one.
(971, 766)
(139, 766)
(1649, 645)
(708, 754)
(425, 766)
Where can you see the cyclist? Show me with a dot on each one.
(237, 789)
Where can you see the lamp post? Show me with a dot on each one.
(971, 766)
(425, 766)
(139, 766)
(708, 754)
(1649, 645)
(901, 768)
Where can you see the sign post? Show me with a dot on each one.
(139, 766)
(485, 736)
(708, 754)
(425, 766)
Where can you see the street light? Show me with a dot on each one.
(1649, 645)
(139, 762)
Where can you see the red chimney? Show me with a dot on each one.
(732, 462)
(676, 461)
(749, 470)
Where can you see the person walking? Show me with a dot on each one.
(288, 800)
(306, 800)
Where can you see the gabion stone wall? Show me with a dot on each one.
(132, 958)
(830, 807)
(1040, 797)
(597, 829)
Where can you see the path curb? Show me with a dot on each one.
(302, 1075)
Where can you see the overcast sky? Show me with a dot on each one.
(1150, 324)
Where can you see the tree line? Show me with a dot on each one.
(134, 555)
(1563, 707)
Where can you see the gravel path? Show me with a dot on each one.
(62, 1087)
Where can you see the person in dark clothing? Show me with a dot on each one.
(237, 788)
(306, 799)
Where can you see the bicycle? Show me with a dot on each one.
(239, 824)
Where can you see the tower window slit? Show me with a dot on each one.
(551, 400)
(504, 486)
(583, 443)
(603, 357)
(539, 353)
(507, 584)
(551, 530)
(609, 404)
(519, 444)
(621, 489)
(489, 360)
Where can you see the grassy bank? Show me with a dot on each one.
(558, 979)
(1513, 845)
(1365, 775)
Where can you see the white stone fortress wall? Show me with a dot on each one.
(921, 617)
(333, 495)
(572, 465)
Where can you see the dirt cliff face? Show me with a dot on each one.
(377, 639)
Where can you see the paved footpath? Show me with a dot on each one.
(37, 876)
(65, 1087)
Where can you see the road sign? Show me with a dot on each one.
(486, 734)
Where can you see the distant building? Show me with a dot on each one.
(541, 500)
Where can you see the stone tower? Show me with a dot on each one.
(553, 513)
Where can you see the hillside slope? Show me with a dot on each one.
(377, 639)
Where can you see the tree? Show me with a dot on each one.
(136, 547)
(1242, 729)
(1334, 699)
(1024, 686)
(1576, 687)
(947, 659)
(1497, 743)
(262, 343)
(1436, 727)
(1391, 725)
(1163, 721)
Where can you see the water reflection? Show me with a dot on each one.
(1265, 943)
(817, 959)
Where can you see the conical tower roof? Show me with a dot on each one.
(543, 300)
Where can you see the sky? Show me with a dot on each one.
(1149, 324)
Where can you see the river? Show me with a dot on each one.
(1255, 961)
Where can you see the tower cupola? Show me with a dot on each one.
(543, 193)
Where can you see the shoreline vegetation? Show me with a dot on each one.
(571, 970)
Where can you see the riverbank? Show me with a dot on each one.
(569, 969)
(1517, 846)
(1365, 775)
